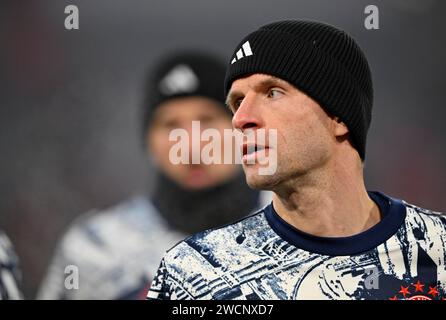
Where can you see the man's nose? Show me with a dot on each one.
(247, 115)
(194, 130)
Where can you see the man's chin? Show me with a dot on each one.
(258, 182)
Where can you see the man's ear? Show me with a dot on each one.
(340, 128)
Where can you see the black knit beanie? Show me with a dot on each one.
(184, 74)
(318, 59)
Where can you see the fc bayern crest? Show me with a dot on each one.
(417, 291)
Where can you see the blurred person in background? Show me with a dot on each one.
(9, 271)
(117, 251)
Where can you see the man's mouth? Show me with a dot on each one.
(251, 151)
(251, 148)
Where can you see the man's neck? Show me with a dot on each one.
(331, 201)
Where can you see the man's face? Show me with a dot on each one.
(179, 113)
(305, 132)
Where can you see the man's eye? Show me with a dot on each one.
(238, 102)
(274, 93)
(234, 105)
(206, 119)
(170, 124)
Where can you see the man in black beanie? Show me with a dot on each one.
(324, 236)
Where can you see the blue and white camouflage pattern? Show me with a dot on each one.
(116, 251)
(249, 260)
(10, 275)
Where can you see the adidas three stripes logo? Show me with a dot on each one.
(244, 51)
